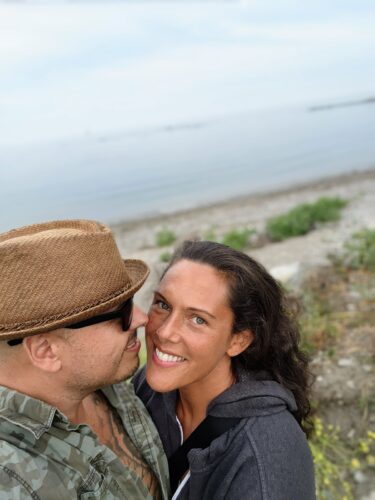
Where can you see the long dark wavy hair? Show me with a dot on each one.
(258, 304)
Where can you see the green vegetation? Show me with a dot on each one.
(210, 235)
(319, 326)
(335, 461)
(165, 237)
(335, 304)
(143, 354)
(165, 257)
(303, 218)
(326, 307)
(237, 238)
(360, 250)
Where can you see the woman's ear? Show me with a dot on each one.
(240, 341)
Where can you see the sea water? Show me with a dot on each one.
(153, 171)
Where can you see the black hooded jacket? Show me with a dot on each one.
(264, 457)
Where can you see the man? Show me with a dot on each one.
(69, 426)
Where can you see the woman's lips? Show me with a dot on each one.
(166, 359)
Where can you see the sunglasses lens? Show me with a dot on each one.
(127, 315)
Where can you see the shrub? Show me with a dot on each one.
(360, 250)
(165, 237)
(336, 461)
(237, 238)
(327, 209)
(303, 218)
(165, 257)
(331, 462)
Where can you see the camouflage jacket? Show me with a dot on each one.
(43, 456)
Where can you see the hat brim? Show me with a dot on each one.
(137, 271)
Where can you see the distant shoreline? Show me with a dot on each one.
(233, 201)
(344, 104)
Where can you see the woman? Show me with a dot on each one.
(221, 344)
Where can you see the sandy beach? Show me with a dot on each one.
(285, 259)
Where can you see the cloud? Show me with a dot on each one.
(68, 69)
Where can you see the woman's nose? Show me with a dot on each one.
(168, 329)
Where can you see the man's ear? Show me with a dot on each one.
(43, 353)
(240, 341)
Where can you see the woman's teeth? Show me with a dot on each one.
(167, 357)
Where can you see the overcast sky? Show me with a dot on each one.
(76, 68)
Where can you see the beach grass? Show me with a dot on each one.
(165, 237)
(237, 238)
(165, 257)
(360, 250)
(303, 218)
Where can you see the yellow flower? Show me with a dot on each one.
(355, 464)
(364, 447)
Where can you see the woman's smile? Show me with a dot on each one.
(166, 359)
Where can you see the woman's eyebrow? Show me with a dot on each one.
(196, 309)
(193, 309)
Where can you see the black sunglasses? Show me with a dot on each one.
(125, 313)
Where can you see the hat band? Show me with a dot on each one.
(57, 317)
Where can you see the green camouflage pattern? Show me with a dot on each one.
(44, 456)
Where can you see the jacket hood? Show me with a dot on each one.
(254, 394)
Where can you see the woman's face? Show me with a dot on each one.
(189, 333)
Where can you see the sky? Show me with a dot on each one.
(75, 69)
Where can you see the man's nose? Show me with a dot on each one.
(140, 318)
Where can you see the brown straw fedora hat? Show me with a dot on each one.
(57, 273)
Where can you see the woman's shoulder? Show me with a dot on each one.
(260, 454)
(265, 440)
(277, 440)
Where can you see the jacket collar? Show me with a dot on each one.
(29, 413)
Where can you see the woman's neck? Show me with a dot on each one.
(193, 400)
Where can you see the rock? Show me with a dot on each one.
(285, 272)
(370, 496)
(359, 477)
(344, 362)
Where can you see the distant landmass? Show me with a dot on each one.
(359, 102)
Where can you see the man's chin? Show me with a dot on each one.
(130, 372)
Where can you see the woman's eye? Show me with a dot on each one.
(199, 321)
(160, 304)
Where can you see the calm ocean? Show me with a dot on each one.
(156, 171)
